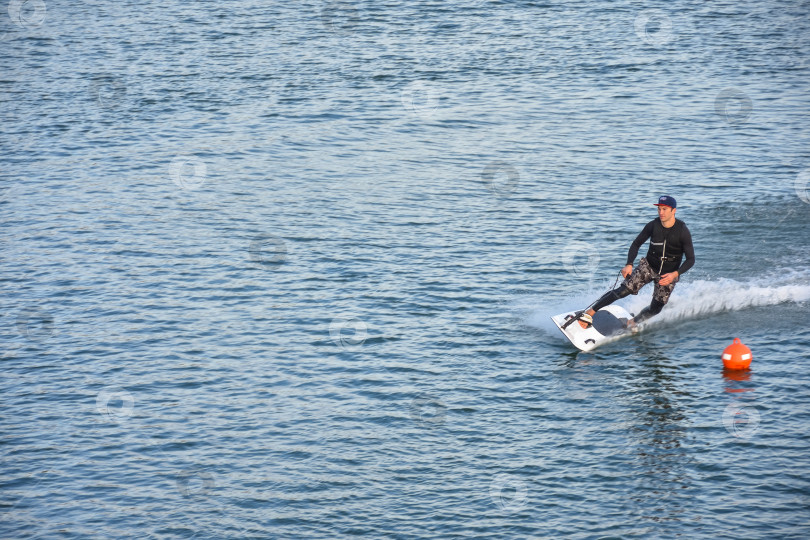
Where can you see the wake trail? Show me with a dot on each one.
(701, 298)
(696, 299)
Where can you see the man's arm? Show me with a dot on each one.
(646, 232)
(688, 250)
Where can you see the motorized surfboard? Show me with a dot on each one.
(609, 324)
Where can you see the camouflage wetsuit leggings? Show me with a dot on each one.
(643, 274)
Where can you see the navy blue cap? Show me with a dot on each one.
(666, 200)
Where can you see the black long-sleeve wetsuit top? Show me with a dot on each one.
(667, 244)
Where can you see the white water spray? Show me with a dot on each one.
(701, 298)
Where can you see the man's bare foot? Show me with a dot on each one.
(632, 327)
(583, 324)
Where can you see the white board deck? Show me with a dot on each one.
(608, 325)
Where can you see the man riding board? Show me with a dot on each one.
(670, 240)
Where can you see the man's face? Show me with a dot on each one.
(665, 213)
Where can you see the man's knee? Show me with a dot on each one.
(656, 307)
(652, 310)
(634, 282)
(621, 292)
(610, 297)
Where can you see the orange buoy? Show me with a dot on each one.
(737, 356)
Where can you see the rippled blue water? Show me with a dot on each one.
(285, 270)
